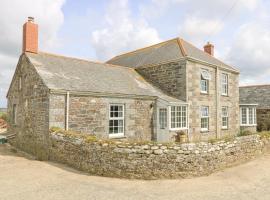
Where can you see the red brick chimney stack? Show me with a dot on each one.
(209, 48)
(30, 36)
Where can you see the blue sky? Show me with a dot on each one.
(98, 30)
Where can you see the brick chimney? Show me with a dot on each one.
(209, 48)
(30, 36)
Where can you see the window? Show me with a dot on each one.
(116, 120)
(225, 117)
(178, 119)
(224, 84)
(14, 114)
(205, 77)
(162, 118)
(248, 116)
(204, 118)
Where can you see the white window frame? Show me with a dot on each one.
(20, 83)
(120, 134)
(183, 118)
(204, 129)
(225, 117)
(163, 118)
(204, 81)
(250, 112)
(224, 84)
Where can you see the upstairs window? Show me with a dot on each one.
(248, 116)
(205, 77)
(204, 118)
(225, 117)
(224, 84)
(116, 120)
(178, 117)
(162, 118)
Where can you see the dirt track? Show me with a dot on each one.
(23, 178)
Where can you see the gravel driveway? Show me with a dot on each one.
(23, 178)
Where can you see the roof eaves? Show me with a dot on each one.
(211, 64)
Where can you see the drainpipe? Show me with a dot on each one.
(217, 103)
(67, 110)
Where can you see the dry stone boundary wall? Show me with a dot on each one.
(150, 160)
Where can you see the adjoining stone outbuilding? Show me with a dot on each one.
(258, 95)
(149, 94)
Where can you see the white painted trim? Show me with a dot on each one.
(67, 111)
(116, 135)
(254, 116)
(170, 120)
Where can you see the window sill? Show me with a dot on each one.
(116, 136)
(224, 128)
(225, 95)
(248, 124)
(177, 129)
(204, 93)
(204, 131)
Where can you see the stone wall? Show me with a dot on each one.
(263, 119)
(169, 77)
(32, 102)
(90, 115)
(150, 160)
(196, 100)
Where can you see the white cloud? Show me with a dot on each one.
(48, 15)
(121, 32)
(250, 52)
(197, 29)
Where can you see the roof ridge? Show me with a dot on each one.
(80, 59)
(144, 48)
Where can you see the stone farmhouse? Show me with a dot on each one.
(259, 96)
(148, 94)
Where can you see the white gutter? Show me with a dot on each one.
(67, 110)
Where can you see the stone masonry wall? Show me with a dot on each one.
(90, 115)
(169, 77)
(196, 100)
(153, 161)
(32, 102)
(263, 119)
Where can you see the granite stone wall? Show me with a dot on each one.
(263, 119)
(214, 100)
(32, 116)
(169, 77)
(151, 160)
(90, 115)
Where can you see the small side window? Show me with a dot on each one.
(14, 114)
(162, 118)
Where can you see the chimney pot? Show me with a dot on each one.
(31, 19)
(30, 36)
(209, 48)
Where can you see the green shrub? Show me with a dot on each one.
(3, 116)
(245, 133)
(265, 134)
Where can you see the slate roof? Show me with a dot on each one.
(256, 94)
(72, 74)
(166, 51)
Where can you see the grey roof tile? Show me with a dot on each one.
(71, 74)
(256, 94)
(166, 51)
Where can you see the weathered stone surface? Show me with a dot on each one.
(137, 161)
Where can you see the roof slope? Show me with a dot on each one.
(256, 94)
(166, 51)
(71, 74)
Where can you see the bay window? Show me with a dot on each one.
(162, 118)
(248, 116)
(178, 117)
